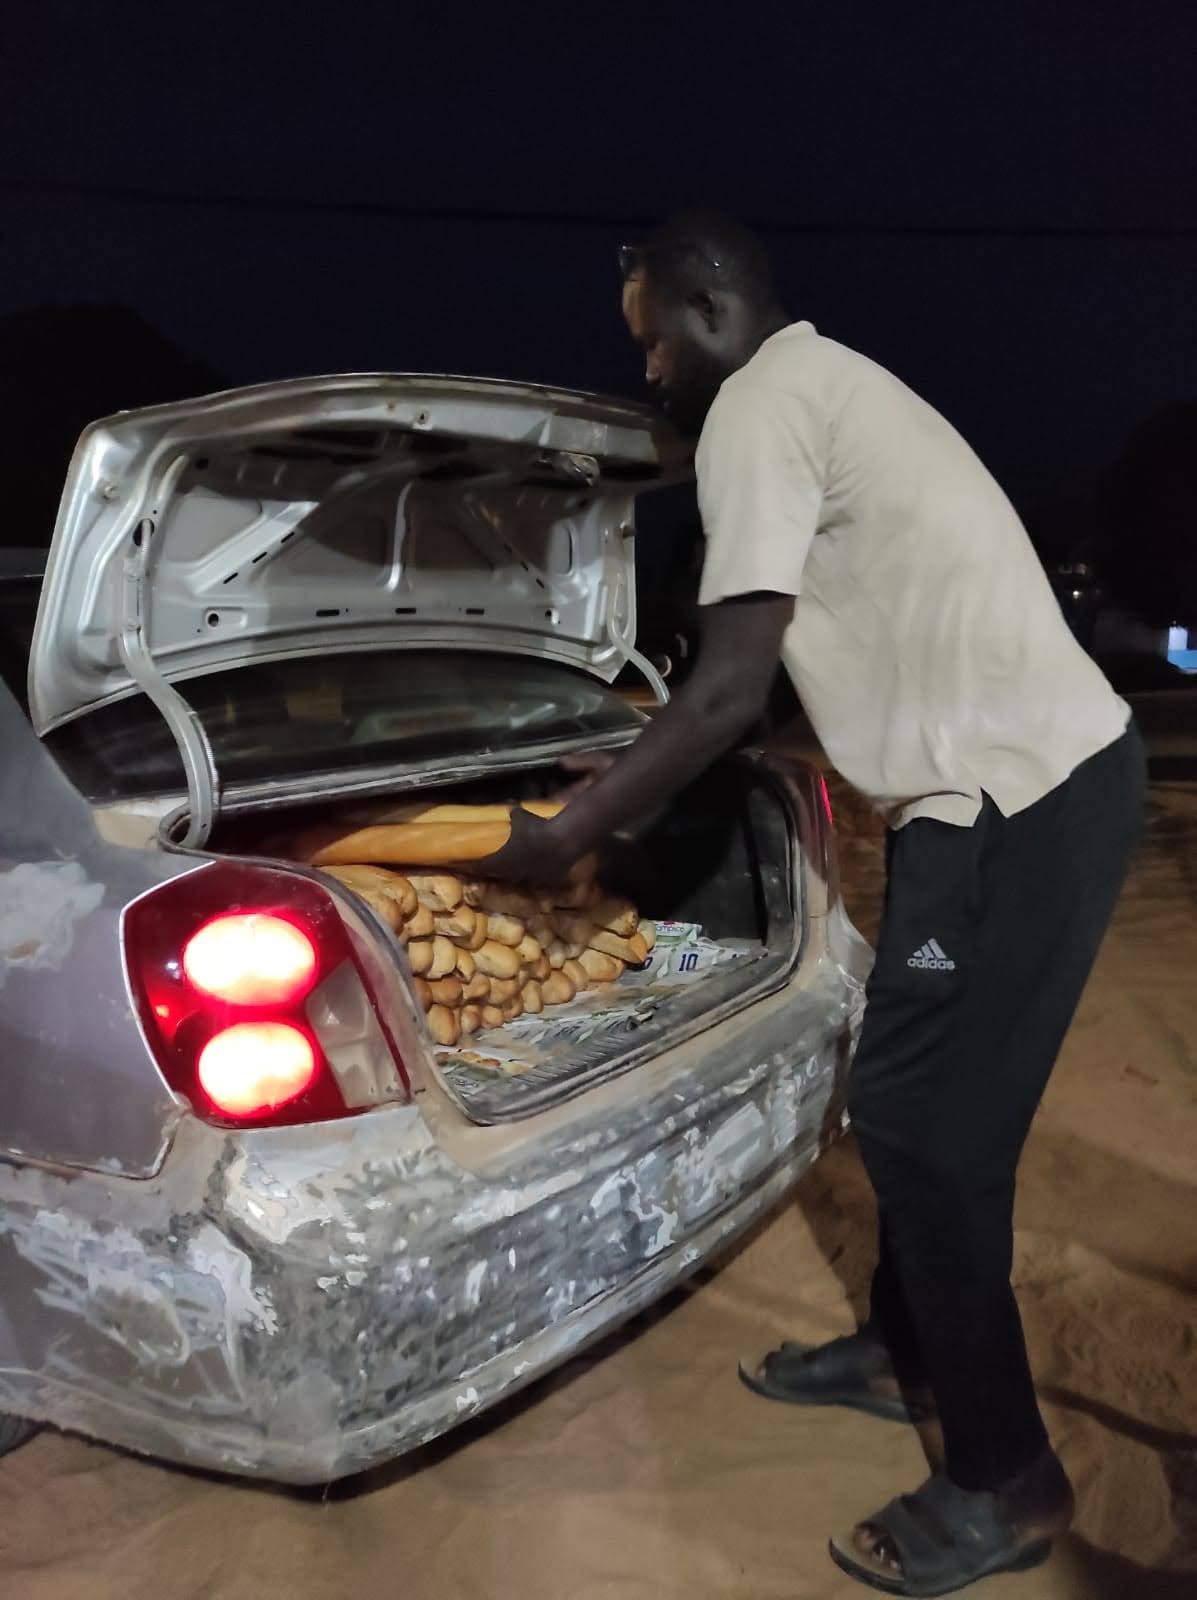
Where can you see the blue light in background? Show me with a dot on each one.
(1179, 652)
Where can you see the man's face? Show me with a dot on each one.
(688, 351)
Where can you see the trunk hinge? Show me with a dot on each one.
(621, 623)
(199, 764)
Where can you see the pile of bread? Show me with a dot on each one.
(482, 953)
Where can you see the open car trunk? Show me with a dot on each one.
(717, 874)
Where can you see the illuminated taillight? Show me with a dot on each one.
(254, 1067)
(252, 991)
(250, 958)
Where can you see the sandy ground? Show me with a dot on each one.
(648, 1471)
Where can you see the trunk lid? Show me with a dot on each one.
(344, 513)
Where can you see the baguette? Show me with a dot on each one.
(533, 998)
(575, 927)
(471, 1019)
(529, 950)
(439, 891)
(465, 967)
(541, 969)
(577, 974)
(478, 989)
(444, 957)
(513, 1008)
(633, 951)
(557, 990)
(458, 924)
(423, 811)
(617, 916)
(505, 930)
(382, 905)
(418, 844)
(443, 1025)
(446, 992)
(601, 967)
(420, 924)
(423, 993)
(479, 936)
(557, 954)
(492, 1016)
(497, 960)
(500, 897)
(419, 954)
(503, 989)
(378, 880)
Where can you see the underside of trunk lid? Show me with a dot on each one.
(335, 515)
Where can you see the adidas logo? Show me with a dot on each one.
(932, 957)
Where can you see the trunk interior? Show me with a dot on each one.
(715, 873)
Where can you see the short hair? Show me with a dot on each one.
(701, 252)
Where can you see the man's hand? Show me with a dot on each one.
(531, 855)
(739, 656)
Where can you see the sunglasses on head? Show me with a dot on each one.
(631, 256)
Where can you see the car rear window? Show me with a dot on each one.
(339, 713)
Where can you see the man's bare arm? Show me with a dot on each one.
(738, 657)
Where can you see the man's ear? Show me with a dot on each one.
(711, 309)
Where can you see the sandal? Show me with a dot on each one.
(844, 1372)
(942, 1538)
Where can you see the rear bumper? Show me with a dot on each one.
(319, 1304)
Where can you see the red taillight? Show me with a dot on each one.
(253, 997)
(250, 958)
(254, 1067)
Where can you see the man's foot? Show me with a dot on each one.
(943, 1538)
(855, 1371)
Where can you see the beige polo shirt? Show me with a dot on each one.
(927, 646)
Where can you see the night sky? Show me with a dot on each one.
(996, 200)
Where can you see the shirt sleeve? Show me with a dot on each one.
(760, 473)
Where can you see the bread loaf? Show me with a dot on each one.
(471, 1019)
(577, 974)
(419, 954)
(513, 1008)
(439, 891)
(478, 989)
(505, 930)
(499, 897)
(378, 880)
(446, 992)
(529, 950)
(574, 927)
(497, 960)
(541, 969)
(420, 924)
(424, 811)
(557, 990)
(617, 916)
(420, 844)
(444, 957)
(601, 968)
(423, 993)
(465, 967)
(533, 998)
(382, 905)
(633, 951)
(458, 924)
(503, 989)
(492, 1016)
(443, 1025)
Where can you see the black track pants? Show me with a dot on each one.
(988, 936)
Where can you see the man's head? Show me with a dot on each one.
(699, 297)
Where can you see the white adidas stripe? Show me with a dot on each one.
(936, 950)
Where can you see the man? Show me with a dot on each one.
(854, 536)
